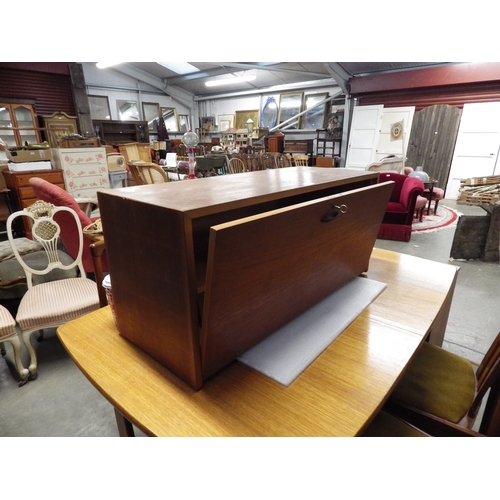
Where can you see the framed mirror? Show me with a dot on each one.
(290, 105)
(184, 123)
(127, 110)
(151, 114)
(315, 116)
(99, 107)
(269, 114)
(170, 117)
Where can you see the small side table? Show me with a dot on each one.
(430, 185)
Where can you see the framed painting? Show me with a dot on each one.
(290, 105)
(334, 125)
(207, 123)
(225, 122)
(315, 115)
(241, 118)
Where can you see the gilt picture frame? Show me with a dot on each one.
(242, 116)
(289, 106)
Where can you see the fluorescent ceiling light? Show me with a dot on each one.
(181, 68)
(102, 65)
(228, 81)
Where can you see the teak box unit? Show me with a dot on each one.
(202, 270)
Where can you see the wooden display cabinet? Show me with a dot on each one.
(18, 124)
(220, 263)
(121, 132)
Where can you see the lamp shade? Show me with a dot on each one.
(250, 126)
(190, 139)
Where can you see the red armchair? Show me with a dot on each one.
(51, 193)
(396, 224)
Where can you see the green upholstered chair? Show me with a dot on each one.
(443, 387)
(387, 425)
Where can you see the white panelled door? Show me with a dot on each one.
(363, 137)
(477, 145)
(387, 147)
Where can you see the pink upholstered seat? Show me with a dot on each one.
(51, 193)
(420, 205)
(437, 195)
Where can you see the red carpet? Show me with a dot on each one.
(445, 217)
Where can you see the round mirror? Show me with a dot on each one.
(269, 114)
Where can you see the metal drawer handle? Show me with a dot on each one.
(336, 212)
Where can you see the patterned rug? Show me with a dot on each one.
(444, 218)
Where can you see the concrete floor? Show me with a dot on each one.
(61, 401)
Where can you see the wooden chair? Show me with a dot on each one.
(147, 173)
(268, 161)
(386, 425)
(8, 333)
(282, 161)
(50, 304)
(235, 166)
(301, 160)
(440, 386)
(389, 424)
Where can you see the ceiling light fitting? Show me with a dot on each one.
(181, 68)
(228, 81)
(103, 65)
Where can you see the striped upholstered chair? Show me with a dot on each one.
(50, 304)
(8, 333)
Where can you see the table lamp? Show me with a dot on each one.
(250, 131)
(190, 140)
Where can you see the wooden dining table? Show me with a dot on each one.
(337, 395)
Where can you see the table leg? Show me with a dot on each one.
(125, 427)
(431, 190)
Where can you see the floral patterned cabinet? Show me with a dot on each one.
(85, 170)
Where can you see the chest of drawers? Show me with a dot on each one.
(85, 170)
(21, 193)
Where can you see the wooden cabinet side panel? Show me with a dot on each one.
(265, 270)
(154, 284)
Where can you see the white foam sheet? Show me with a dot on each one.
(286, 353)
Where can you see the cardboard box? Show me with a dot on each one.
(28, 166)
(24, 155)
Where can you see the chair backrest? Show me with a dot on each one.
(267, 160)
(147, 173)
(235, 166)
(282, 161)
(488, 375)
(47, 232)
(301, 160)
(51, 193)
(391, 163)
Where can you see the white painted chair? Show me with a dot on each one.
(8, 333)
(50, 304)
